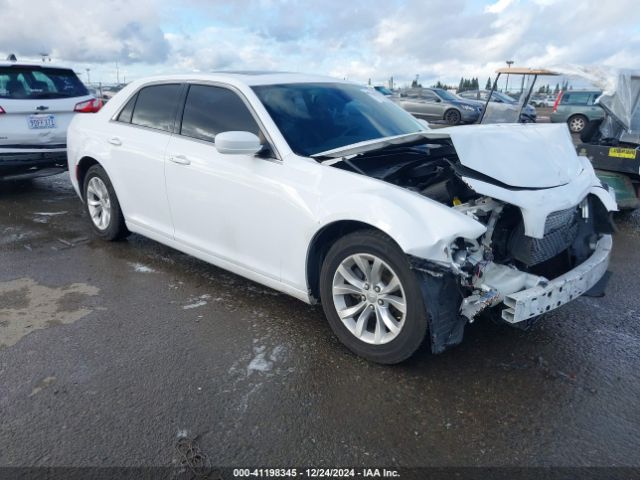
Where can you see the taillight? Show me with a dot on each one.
(2, 110)
(557, 102)
(90, 106)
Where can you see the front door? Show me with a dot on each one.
(228, 206)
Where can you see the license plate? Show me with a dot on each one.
(41, 121)
(622, 152)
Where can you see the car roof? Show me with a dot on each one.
(6, 63)
(249, 78)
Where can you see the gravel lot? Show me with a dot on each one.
(110, 352)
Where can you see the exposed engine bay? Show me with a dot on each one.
(503, 261)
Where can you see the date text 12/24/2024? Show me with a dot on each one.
(315, 473)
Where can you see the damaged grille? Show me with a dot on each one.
(561, 229)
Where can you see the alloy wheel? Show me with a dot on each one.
(577, 124)
(99, 203)
(369, 298)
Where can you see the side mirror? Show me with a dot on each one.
(237, 143)
(438, 100)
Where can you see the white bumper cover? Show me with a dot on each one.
(541, 299)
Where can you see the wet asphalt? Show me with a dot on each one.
(111, 351)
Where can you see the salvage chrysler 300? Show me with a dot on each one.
(330, 192)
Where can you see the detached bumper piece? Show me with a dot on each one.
(541, 299)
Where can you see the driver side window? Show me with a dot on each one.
(210, 110)
(430, 97)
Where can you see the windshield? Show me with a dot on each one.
(316, 117)
(443, 94)
(505, 98)
(512, 90)
(36, 83)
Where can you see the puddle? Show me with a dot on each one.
(26, 306)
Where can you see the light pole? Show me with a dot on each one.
(88, 76)
(506, 88)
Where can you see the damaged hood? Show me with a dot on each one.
(518, 155)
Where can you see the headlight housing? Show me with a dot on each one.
(467, 107)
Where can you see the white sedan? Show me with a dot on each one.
(328, 191)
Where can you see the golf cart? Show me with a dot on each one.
(612, 144)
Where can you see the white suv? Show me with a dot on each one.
(37, 103)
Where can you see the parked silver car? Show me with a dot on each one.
(439, 104)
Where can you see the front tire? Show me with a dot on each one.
(102, 206)
(452, 117)
(372, 298)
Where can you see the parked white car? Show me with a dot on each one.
(330, 192)
(37, 103)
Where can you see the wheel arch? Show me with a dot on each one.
(322, 242)
(82, 168)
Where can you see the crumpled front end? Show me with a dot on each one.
(513, 276)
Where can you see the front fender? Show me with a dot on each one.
(419, 225)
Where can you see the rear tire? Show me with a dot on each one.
(577, 123)
(102, 206)
(389, 319)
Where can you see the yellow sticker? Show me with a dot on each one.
(622, 152)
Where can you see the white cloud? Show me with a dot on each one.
(360, 39)
(81, 31)
(498, 7)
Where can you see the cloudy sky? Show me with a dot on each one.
(357, 39)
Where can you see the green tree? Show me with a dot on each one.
(488, 85)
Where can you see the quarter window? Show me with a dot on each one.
(210, 110)
(127, 112)
(156, 107)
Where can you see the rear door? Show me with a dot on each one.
(136, 142)
(38, 104)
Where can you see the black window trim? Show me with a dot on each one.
(134, 97)
(182, 97)
(180, 84)
(243, 98)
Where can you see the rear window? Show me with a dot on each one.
(36, 83)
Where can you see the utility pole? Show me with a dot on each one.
(88, 76)
(117, 73)
(506, 88)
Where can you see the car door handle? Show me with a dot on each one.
(180, 159)
(115, 141)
